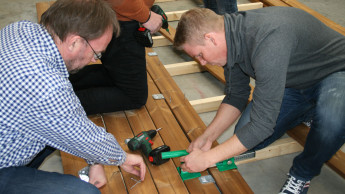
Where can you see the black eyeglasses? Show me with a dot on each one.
(95, 55)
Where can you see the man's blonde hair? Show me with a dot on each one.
(194, 24)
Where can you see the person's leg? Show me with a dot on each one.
(120, 83)
(18, 180)
(125, 62)
(295, 109)
(94, 88)
(221, 6)
(226, 6)
(90, 76)
(327, 133)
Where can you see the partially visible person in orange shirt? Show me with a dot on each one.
(120, 82)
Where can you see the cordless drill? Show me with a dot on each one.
(142, 141)
(143, 35)
(158, 10)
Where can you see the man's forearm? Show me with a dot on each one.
(226, 116)
(230, 148)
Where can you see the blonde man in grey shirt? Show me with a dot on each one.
(298, 64)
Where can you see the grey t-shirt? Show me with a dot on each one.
(279, 47)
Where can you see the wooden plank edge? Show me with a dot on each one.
(118, 125)
(184, 68)
(176, 15)
(278, 148)
(207, 104)
(140, 120)
(172, 133)
(159, 41)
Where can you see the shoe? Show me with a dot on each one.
(294, 186)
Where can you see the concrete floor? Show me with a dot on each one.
(266, 176)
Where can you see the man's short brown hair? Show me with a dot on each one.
(194, 24)
(86, 18)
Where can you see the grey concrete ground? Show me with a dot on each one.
(266, 176)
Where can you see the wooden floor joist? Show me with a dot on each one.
(176, 15)
(184, 68)
(207, 104)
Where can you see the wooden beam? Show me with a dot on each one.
(41, 7)
(117, 124)
(207, 104)
(160, 41)
(249, 6)
(160, 1)
(172, 134)
(272, 2)
(184, 68)
(72, 164)
(278, 148)
(176, 15)
(140, 120)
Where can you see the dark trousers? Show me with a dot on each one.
(221, 6)
(120, 82)
(324, 104)
(28, 179)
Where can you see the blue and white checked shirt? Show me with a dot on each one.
(38, 106)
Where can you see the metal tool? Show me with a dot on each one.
(137, 182)
(144, 142)
(224, 165)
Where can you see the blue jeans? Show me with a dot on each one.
(324, 103)
(17, 180)
(221, 6)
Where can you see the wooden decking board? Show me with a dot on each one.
(172, 134)
(140, 120)
(187, 117)
(72, 164)
(117, 124)
(179, 105)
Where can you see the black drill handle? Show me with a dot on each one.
(155, 156)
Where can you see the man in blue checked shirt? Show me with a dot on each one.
(38, 107)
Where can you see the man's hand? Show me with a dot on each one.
(97, 175)
(133, 161)
(155, 22)
(202, 142)
(196, 161)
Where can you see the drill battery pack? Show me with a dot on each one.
(143, 36)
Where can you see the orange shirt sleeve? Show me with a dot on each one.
(127, 10)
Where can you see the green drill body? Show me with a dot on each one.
(158, 10)
(142, 141)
